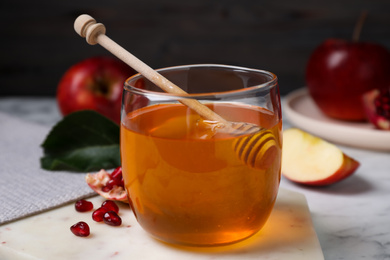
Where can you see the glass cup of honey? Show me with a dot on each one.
(189, 180)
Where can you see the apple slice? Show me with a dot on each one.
(310, 160)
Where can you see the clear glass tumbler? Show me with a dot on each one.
(189, 182)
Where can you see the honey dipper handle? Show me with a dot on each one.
(94, 33)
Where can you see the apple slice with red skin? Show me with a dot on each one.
(310, 160)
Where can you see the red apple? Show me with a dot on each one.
(94, 84)
(310, 160)
(339, 72)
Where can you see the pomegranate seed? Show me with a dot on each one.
(83, 205)
(117, 182)
(80, 229)
(112, 219)
(98, 214)
(106, 189)
(109, 185)
(117, 174)
(110, 206)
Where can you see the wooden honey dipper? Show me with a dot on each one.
(94, 33)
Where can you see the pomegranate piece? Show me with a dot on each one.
(382, 103)
(98, 214)
(109, 186)
(80, 229)
(83, 205)
(112, 219)
(110, 206)
(377, 107)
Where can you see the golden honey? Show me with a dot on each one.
(185, 181)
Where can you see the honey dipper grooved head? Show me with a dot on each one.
(86, 26)
(258, 150)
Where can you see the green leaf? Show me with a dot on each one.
(83, 141)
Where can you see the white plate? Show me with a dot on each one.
(302, 112)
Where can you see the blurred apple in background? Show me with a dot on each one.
(94, 84)
(339, 72)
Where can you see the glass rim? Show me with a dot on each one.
(264, 86)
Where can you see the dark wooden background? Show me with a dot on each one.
(38, 43)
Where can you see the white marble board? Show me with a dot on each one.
(288, 234)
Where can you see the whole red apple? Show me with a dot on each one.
(94, 84)
(339, 72)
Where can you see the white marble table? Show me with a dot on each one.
(351, 218)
